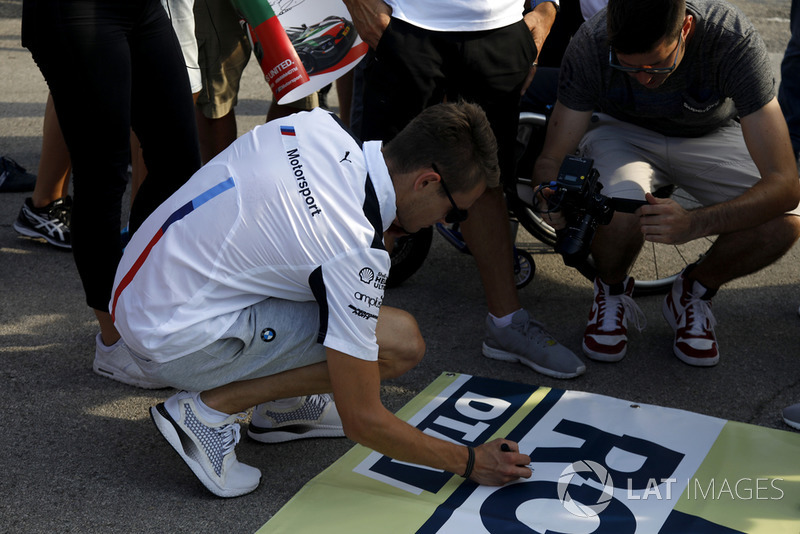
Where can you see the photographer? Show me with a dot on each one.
(670, 77)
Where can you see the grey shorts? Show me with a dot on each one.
(270, 337)
(633, 160)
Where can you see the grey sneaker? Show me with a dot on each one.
(526, 342)
(312, 416)
(117, 363)
(208, 449)
(791, 415)
(50, 223)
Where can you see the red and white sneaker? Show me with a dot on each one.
(691, 318)
(606, 336)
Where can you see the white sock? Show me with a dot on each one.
(209, 415)
(504, 321)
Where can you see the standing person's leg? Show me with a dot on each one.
(400, 80)
(789, 92)
(484, 77)
(46, 213)
(162, 119)
(223, 53)
(87, 41)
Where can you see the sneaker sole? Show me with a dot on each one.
(118, 376)
(688, 360)
(176, 437)
(503, 356)
(792, 424)
(268, 435)
(27, 232)
(600, 357)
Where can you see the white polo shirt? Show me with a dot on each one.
(460, 15)
(294, 209)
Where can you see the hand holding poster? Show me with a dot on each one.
(304, 47)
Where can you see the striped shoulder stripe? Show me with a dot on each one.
(176, 216)
(317, 285)
(372, 211)
(346, 129)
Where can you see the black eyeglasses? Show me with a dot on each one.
(646, 70)
(455, 215)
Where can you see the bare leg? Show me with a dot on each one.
(741, 253)
(215, 134)
(616, 246)
(52, 180)
(488, 236)
(344, 91)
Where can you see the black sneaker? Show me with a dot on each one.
(14, 178)
(51, 222)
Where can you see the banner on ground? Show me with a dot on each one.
(601, 465)
(301, 45)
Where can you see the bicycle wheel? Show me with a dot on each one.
(656, 266)
(408, 255)
(530, 139)
(524, 268)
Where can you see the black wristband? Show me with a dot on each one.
(470, 462)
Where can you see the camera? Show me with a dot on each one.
(577, 194)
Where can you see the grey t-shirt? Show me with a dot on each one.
(725, 72)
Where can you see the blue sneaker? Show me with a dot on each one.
(14, 178)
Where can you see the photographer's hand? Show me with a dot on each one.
(555, 219)
(663, 220)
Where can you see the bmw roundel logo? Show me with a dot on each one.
(268, 334)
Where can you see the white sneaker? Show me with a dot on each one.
(606, 336)
(117, 363)
(690, 316)
(207, 448)
(312, 416)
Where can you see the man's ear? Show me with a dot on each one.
(424, 178)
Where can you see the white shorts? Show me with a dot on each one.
(268, 338)
(633, 160)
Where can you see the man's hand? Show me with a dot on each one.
(539, 22)
(663, 220)
(495, 467)
(555, 219)
(370, 17)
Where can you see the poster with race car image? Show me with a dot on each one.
(301, 45)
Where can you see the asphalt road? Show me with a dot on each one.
(81, 455)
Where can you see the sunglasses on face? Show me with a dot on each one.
(455, 215)
(647, 70)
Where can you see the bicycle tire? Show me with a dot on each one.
(408, 255)
(657, 265)
(524, 268)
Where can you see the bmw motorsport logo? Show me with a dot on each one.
(585, 509)
(268, 334)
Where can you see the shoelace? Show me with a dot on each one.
(319, 401)
(537, 335)
(63, 211)
(698, 313)
(230, 434)
(632, 311)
